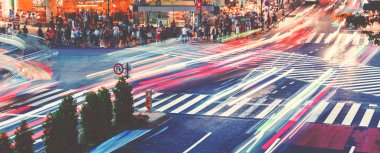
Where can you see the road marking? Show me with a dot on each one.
(219, 107)
(171, 104)
(310, 37)
(367, 117)
(269, 150)
(378, 124)
(319, 38)
(356, 40)
(338, 40)
(268, 109)
(43, 95)
(366, 41)
(328, 39)
(252, 108)
(188, 104)
(283, 87)
(47, 99)
(318, 111)
(351, 114)
(334, 113)
(144, 100)
(158, 102)
(198, 142)
(348, 38)
(276, 35)
(352, 149)
(237, 106)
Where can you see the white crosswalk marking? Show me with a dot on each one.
(334, 113)
(366, 41)
(356, 40)
(42, 95)
(252, 108)
(367, 117)
(188, 104)
(338, 39)
(351, 114)
(310, 37)
(171, 104)
(329, 38)
(268, 109)
(157, 103)
(237, 106)
(318, 111)
(348, 38)
(319, 38)
(144, 100)
(378, 124)
(219, 106)
(47, 99)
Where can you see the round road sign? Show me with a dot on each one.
(118, 69)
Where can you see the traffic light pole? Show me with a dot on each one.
(199, 17)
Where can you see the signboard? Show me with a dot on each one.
(118, 69)
(39, 2)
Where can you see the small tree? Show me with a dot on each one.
(5, 144)
(61, 133)
(23, 139)
(97, 116)
(123, 104)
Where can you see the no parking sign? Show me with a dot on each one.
(118, 69)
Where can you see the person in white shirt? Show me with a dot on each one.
(184, 34)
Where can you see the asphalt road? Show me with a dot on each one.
(260, 95)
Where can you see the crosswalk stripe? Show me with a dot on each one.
(158, 102)
(367, 117)
(378, 124)
(236, 107)
(268, 109)
(47, 99)
(351, 114)
(356, 40)
(329, 38)
(42, 95)
(219, 106)
(319, 38)
(334, 113)
(276, 35)
(139, 95)
(188, 104)
(366, 41)
(318, 111)
(338, 39)
(310, 37)
(252, 108)
(348, 38)
(171, 104)
(144, 100)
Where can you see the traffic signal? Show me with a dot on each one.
(199, 5)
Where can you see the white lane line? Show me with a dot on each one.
(378, 124)
(236, 107)
(367, 117)
(198, 142)
(219, 107)
(318, 111)
(352, 149)
(268, 109)
(252, 108)
(351, 114)
(334, 113)
(158, 102)
(310, 37)
(188, 104)
(144, 100)
(171, 104)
